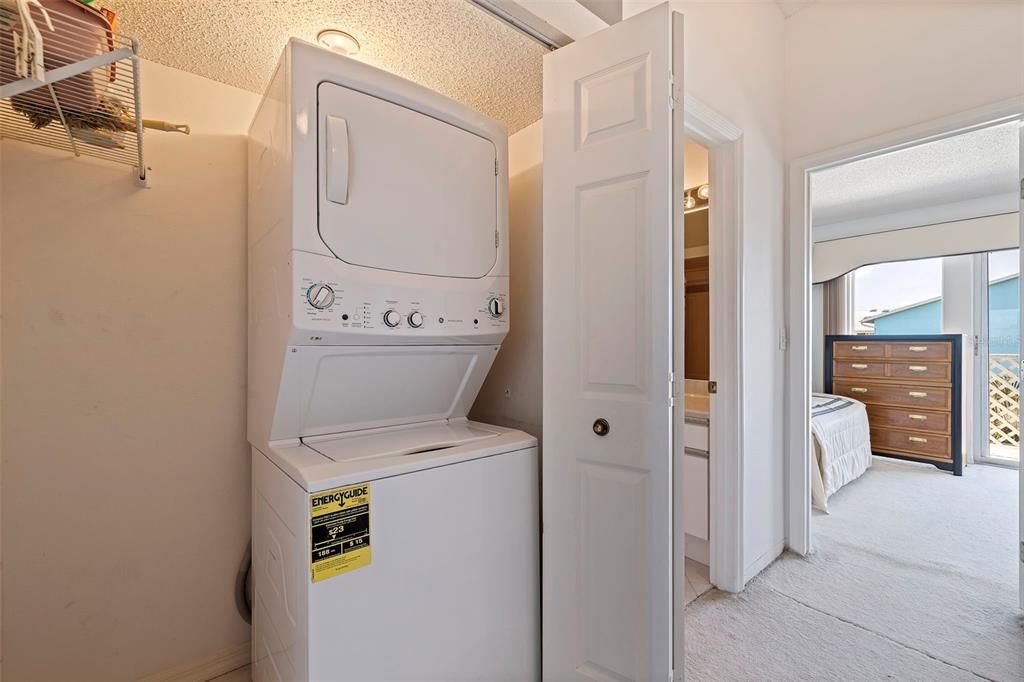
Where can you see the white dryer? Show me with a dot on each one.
(393, 539)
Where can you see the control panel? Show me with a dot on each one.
(448, 308)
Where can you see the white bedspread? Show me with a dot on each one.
(842, 445)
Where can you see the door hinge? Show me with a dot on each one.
(497, 238)
(976, 344)
(712, 388)
(495, 168)
(1022, 552)
(673, 101)
(1022, 188)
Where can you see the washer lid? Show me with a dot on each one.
(324, 462)
(399, 442)
(399, 190)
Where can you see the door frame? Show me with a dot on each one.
(724, 142)
(977, 451)
(798, 282)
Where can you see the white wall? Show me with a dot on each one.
(695, 160)
(511, 395)
(734, 64)
(859, 69)
(125, 490)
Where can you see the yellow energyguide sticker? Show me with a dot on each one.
(339, 530)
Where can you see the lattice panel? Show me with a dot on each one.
(1004, 400)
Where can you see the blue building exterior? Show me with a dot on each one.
(926, 318)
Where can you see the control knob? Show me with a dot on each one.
(416, 319)
(320, 296)
(392, 318)
(496, 307)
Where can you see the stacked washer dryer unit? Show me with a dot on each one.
(392, 538)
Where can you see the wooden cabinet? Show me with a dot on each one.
(912, 388)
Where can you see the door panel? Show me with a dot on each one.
(608, 240)
(612, 265)
(402, 191)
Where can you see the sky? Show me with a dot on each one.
(893, 285)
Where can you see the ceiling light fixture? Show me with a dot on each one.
(703, 192)
(338, 41)
(689, 202)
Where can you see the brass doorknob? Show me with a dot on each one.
(601, 426)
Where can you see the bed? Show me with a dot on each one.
(842, 445)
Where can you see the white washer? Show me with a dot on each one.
(392, 538)
(450, 591)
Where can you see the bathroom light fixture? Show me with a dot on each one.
(338, 41)
(689, 202)
(703, 192)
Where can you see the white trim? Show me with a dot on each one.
(798, 282)
(725, 234)
(208, 668)
(698, 549)
(978, 435)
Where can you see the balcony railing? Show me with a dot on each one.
(1004, 400)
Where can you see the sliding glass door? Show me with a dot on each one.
(1003, 359)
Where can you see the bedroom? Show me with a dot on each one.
(915, 338)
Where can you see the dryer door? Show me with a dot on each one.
(401, 191)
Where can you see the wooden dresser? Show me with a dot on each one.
(912, 388)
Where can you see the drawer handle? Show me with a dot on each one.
(858, 389)
(858, 347)
(917, 349)
(917, 394)
(917, 368)
(917, 417)
(917, 439)
(858, 365)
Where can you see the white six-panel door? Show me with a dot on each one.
(608, 245)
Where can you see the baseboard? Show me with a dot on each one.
(208, 668)
(698, 550)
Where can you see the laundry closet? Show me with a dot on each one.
(229, 339)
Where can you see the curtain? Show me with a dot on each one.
(837, 305)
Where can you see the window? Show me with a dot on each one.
(898, 298)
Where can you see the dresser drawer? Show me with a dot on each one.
(898, 395)
(919, 444)
(920, 350)
(858, 349)
(915, 420)
(855, 368)
(923, 371)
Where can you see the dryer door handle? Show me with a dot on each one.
(337, 159)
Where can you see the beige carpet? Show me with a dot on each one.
(914, 577)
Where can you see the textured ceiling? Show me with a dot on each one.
(447, 45)
(982, 163)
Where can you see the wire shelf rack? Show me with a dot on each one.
(89, 101)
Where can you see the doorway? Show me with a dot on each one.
(698, 380)
(880, 356)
